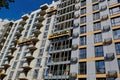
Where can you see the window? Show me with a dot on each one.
(100, 67)
(82, 79)
(21, 63)
(38, 63)
(83, 11)
(18, 74)
(11, 74)
(82, 68)
(99, 51)
(116, 34)
(48, 20)
(94, 1)
(43, 43)
(83, 19)
(98, 37)
(36, 71)
(115, 10)
(28, 27)
(83, 40)
(14, 65)
(97, 26)
(17, 56)
(119, 64)
(41, 52)
(47, 27)
(115, 21)
(96, 16)
(83, 53)
(25, 34)
(45, 34)
(83, 3)
(117, 48)
(20, 48)
(95, 7)
(30, 21)
(100, 78)
(82, 29)
(24, 54)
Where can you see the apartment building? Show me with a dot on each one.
(24, 53)
(65, 40)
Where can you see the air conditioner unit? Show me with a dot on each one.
(73, 60)
(106, 28)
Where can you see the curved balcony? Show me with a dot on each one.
(3, 39)
(25, 17)
(11, 24)
(9, 28)
(32, 48)
(22, 77)
(6, 34)
(29, 58)
(10, 56)
(2, 76)
(42, 12)
(6, 65)
(20, 28)
(13, 48)
(41, 18)
(38, 25)
(1, 45)
(44, 7)
(18, 34)
(26, 68)
(15, 41)
(34, 40)
(23, 22)
(36, 32)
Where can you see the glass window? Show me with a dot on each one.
(83, 3)
(83, 11)
(14, 65)
(24, 54)
(41, 52)
(82, 79)
(117, 48)
(48, 20)
(100, 78)
(98, 37)
(115, 10)
(82, 29)
(97, 26)
(82, 68)
(119, 64)
(116, 34)
(18, 74)
(11, 74)
(115, 21)
(100, 67)
(47, 27)
(45, 34)
(17, 56)
(38, 63)
(83, 19)
(28, 27)
(96, 16)
(21, 63)
(36, 71)
(43, 43)
(20, 48)
(99, 51)
(94, 1)
(95, 7)
(83, 40)
(30, 21)
(25, 34)
(83, 53)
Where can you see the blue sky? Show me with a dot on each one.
(20, 7)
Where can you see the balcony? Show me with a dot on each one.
(29, 58)
(6, 34)
(42, 12)
(73, 75)
(18, 34)
(74, 47)
(3, 39)
(38, 25)
(104, 17)
(32, 48)
(106, 28)
(25, 17)
(34, 40)
(13, 48)
(1, 45)
(77, 7)
(107, 41)
(2, 75)
(36, 32)
(11, 24)
(6, 65)
(10, 56)
(20, 28)
(23, 22)
(26, 68)
(52, 9)
(112, 74)
(41, 18)
(74, 60)
(15, 41)
(22, 77)
(44, 7)
(25, 41)
(75, 35)
(60, 34)
(109, 57)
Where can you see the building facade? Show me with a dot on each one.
(65, 40)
